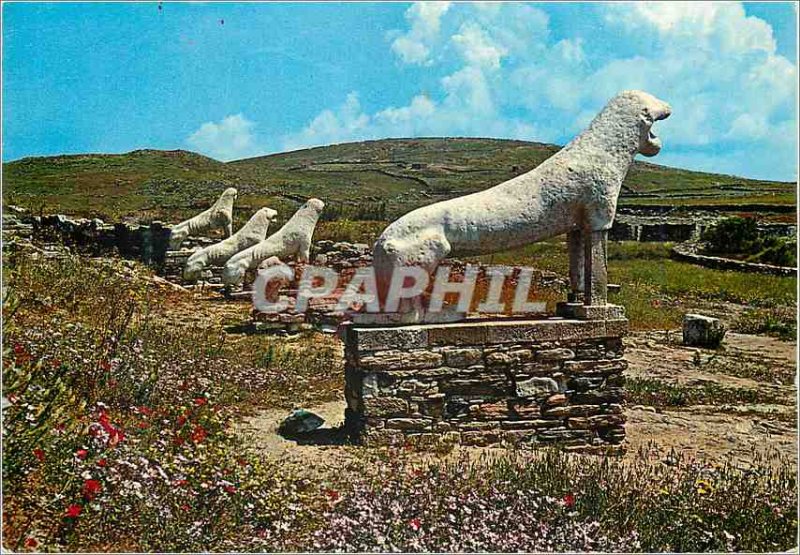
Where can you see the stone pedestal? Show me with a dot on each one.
(525, 382)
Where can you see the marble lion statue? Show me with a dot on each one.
(575, 192)
(220, 215)
(251, 233)
(292, 240)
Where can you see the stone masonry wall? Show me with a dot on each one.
(528, 383)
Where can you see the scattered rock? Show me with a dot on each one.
(702, 331)
(300, 421)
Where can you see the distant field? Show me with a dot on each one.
(372, 180)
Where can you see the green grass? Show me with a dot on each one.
(655, 290)
(657, 393)
(402, 173)
(120, 410)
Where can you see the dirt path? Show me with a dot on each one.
(743, 434)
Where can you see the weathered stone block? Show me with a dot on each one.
(530, 424)
(414, 424)
(594, 366)
(385, 406)
(536, 387)
(462, 358)
(554, 355)
(702, 331)
(401, 360)
(490, 411)
(505, 358)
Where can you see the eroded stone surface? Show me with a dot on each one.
(575, 191)
(219, 216)
(292, 240)
(251, 233)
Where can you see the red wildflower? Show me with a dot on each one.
(230, 489)
(185, 507)
(199, 434)
(569, 500)
(102, 463)
(91, 488)
(415, 524)
(181, 421)
(142, 425)
(56, 363)
(332, 495)
(181, 482)
(105, 365)
(31, 543)
(39, 454)
(200, 401)
(81, 453)
(115, 436)
(12, 398)
(73, 511)
(145, 411)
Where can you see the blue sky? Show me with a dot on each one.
(239, 80)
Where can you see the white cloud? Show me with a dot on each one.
(414, 46)
(230, 139)
(477, 47)
(504, 72)
(345, 123)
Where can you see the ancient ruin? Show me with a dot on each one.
(251, 233)
(293, 240)
(219, 216)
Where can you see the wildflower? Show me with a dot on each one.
(181, 421)
(569, 500)
(73, 511)
(703, 486)
(102, 463)
(332, 494)
(142, 425)
(31, 543)
(91, 488)
(199, 434)
(145, 411)
(56, 363)
(200, 401)
(81, 453)
(415, 524)
(230, 489)
(39, 454)
(105, 365)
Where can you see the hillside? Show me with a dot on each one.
(360, 180)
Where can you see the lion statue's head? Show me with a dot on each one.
(643, 110)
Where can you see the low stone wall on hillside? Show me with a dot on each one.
(523, 382)
(687, 252)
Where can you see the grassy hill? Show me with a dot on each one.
(365, 180)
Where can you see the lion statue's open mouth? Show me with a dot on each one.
(655, 111)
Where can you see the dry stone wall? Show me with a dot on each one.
(527, 383)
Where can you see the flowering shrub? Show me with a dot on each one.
(557, 502)
(117, 437)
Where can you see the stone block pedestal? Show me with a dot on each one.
(525, 382)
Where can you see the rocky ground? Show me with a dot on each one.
(746, 434)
